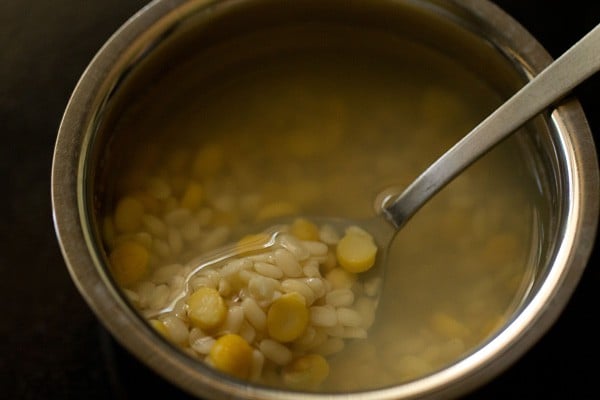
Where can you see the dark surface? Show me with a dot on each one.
(53, 347)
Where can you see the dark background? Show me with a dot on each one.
(52, 346)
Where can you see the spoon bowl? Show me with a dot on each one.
(275, 234)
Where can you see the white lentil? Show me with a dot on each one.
(195, 334)
(176, 285)
(144, 291)
(328, 235)
(355, 230)
(275, 351)
(294, 246)
(288, 263)
(349, 317)
(185, 270)
(330, 346)
(215, 238)
(337, 330)
(176, 329)
(262, 288)
(179, 310)
(165, 273)
(448, 326)
(246, 276)
(324, 316)
(330, 262)
(258, 360)
(203, 345)
(351, 332)
(267, 258)
(311, 269)
(234, 267)
(318, 337)
(202, 281)
(161, 248)
(296, 285)
(307, 337)
(254, 314)
(159, 297)
(268, 270)
(247, 331)
(410, 366)
(154, 225)
(143, 238)
(224, 288)
(372, 286)
(340, 297)
(213, 275)
(276, 295)
(317, 285)
(234, 320)
(178, 217)
(366, 308)
(340, 279)
(315, 248)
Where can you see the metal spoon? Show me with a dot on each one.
(577, 64)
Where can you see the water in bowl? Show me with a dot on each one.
(208, 152)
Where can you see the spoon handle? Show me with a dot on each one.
(578, 63)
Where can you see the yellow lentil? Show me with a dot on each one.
(306, 372)
(356, 252)
(128, 214)
(287, 317)
(206, 308)
(233, 355)
(129, 262)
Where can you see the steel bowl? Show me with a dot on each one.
(476, 32)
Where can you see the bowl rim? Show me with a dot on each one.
(70, 219)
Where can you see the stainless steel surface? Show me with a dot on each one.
(577, 217)
(576, 65)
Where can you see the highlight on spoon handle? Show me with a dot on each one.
(577, 64)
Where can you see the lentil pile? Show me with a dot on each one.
(273, 310)
(276, 313)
